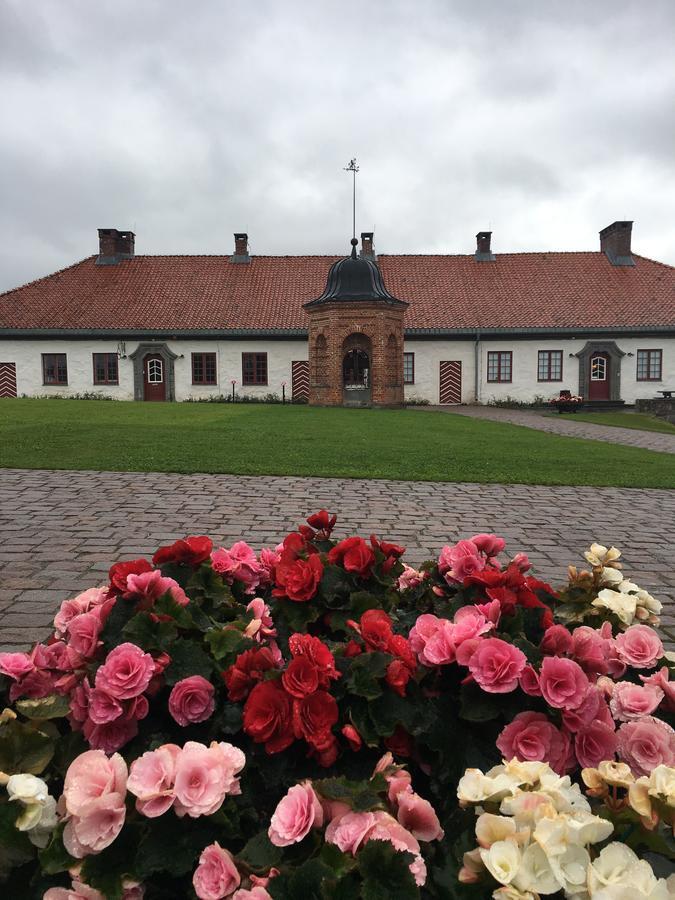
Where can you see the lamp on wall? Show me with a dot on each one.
(630, 354)
(122, 349)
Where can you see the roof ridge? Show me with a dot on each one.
(656, 262)
(26, 284)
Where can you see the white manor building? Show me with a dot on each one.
(477, 327)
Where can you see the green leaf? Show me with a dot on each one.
(227, 643)
(385, 873)
(260, 854)
(15, 848)
(106, 870)
(478, 706)
(167, 606)
(113, 631)
(391, 710)
(23, 748)
(207, 584)
(53, 707)
(55, 858)
(299, 615)
(169, 846)
(360, 795)
(150, 635)
(335, 586)
(365, 673)
(227, 719)
(187, 658)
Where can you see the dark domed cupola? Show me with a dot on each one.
(355, 279)
(356, 336)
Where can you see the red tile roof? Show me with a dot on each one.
(516, 291)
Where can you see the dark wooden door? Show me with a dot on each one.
(450, 381)
(7, 379)
(300, 380)
(154, 377)
(599, 377)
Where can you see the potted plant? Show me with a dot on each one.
(566, 402)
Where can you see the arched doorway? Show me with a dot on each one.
(154, 377)
(356, 370)
(599, 386)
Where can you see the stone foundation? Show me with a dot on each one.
(662, 407)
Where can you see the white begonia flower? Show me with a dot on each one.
(612, 867)
(27, 789)
(645, 883)
(527, 772)
(40, 834)
(622, 605)
(509, 892)
(472, 787)
(584, 828)
(662, 784)
(502, 860)
(651, 603)
(551, 835)
(535, 873)
(598, 555)
(528, 807)
(570, 869)
(639, 799)
(616, 773)
(628, 587)
(610, 576)
(491, 828)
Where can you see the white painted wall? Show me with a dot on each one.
(280, 354)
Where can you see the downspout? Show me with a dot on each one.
(476, 367)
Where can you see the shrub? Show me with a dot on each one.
(322, 719)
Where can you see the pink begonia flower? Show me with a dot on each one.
(589, 649)
(557, 641)
(463, 559)
(594, 743)
(296, 814)
(496, 665)
(521, 561)
(216, 876)
(261, 627)
(205, 776)
(83, 633)
(78, 891)
(563, 682)
(151, 780)
(661, 680)
(616, 667)
(632, 701)
(257, 892)
(469, 622)
(268, 561)
(397, 783)
(239, 563)
(492, 611)
(93, 795)
(409, 578)
(148, 587)
(639, 646)
(421, 633)
(530, 737)
(15, 665)
(489, 544)
(529, 682)
(418, 816)
(347, 832)
(645, 744)
(192, 700)
(592, 708)
(69, 609)
(126, 672)
(103, 708)
(111, 736)
(386, 828)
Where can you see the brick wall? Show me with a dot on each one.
(331, 325)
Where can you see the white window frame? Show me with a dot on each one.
(155, 367)
(594, 375)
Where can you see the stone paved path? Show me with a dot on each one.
(632, 437)
(60, 531)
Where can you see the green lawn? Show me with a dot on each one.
(299, 440)
(640, 421)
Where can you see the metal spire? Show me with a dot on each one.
(353, 168)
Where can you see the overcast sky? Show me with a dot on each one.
(543, 121)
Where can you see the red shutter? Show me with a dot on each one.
(451, 381)
(7, 379)
(300, 379)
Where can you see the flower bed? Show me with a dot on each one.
(566, 402)
(320, 719)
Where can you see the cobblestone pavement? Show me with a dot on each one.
(60, 531)
(632, 437)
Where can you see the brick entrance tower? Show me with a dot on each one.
(356, 338)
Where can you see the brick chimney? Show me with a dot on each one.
(114, 245)
(483, 252)
(615, 243)
(240, 248)
(367, 249)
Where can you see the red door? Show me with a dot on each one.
(598, 382)
(450, 381)
(154, 383)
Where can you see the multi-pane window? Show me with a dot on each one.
(254, 368)
(54, 368)
(499, 365)
(105, 368)
(155, 371)
(408, 368)
(649, 365)
(599, 368)
(549, 365)
(204, 368)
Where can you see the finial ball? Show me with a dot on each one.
(354, 242)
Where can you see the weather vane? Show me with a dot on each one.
(353, 168)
